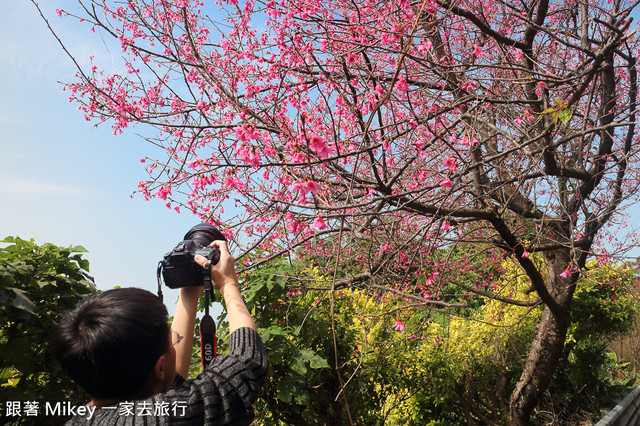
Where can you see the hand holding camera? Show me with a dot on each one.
(223, 271)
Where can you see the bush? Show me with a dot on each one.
(37, 284)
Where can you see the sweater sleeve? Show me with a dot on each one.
(225, 391)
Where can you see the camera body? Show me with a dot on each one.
(179, 269)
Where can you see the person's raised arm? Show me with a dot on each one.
(183, 323)
(225, 279)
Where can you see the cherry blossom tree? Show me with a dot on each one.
(380, 135)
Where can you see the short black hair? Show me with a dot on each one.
(111, 341)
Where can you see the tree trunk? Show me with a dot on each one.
(544, 355)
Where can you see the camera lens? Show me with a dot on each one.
(203, 234)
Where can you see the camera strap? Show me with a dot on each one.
(207, 324)
(159, 277)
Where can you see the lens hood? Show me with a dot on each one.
(204, 233)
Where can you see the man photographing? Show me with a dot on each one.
(119, 347)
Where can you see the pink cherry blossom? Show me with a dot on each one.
(306, 187)
(319, 224)
(430, 278)
(163, 192)
(468, 86)
(477, 51)
(319, 145)
(246, 133)
(399, 325)
(450, 163)
(425, 46)
(401, 84)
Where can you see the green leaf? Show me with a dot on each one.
(21, 301)
(315, 361)
(270, 284)
(285, 391)
(274, 330)
(303, 399)
(282, 282)
(629, 382)
(318, 362)
(565, 115)
(84, 264)
(252, 292)
(297, 365)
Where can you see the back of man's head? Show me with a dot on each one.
(111, 341)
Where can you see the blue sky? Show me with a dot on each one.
(62, 180)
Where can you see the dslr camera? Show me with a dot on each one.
(178, 267)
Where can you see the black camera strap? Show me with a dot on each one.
(159, 277)
(207, 324)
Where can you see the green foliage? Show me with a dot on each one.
(301, 387)
(338, 355)
(343, 355)
(371, 357)
(37, 284)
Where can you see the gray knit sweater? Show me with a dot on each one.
(222, 394)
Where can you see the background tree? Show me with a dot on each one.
(375, 133)
(37, 284)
